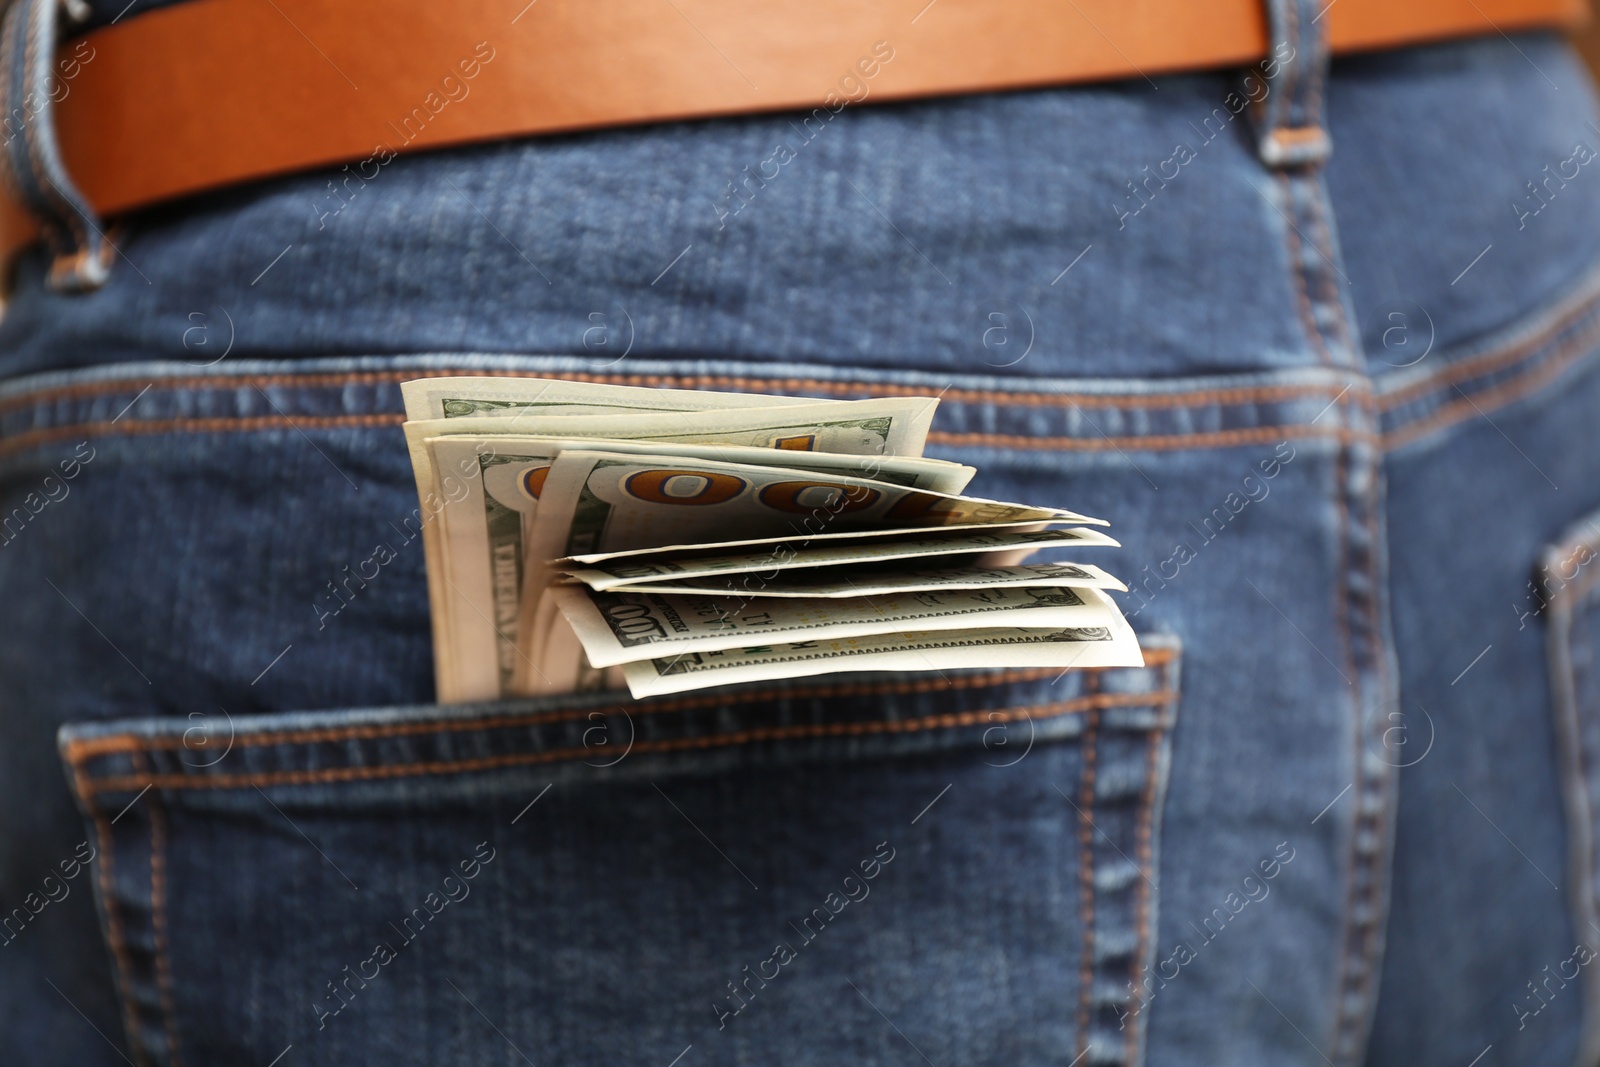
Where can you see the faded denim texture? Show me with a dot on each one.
(1340, 418)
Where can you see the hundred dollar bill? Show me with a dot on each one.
(482, 531)
(895, 425)
(621, 503)
(624, 626)
(990, 548)
(876, 578)
(1110, 645)
(436, 488)
(436, 398)
(465, 396)
(597, 502)
(718, 538)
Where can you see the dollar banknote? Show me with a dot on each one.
(499, 405)
(601, 504)
(598, 503)
(894, 427)
(874, 578)
(1111, 645)
(991, 548)
(493, 397)
(583, 535)
(482, 529)
(624, 626)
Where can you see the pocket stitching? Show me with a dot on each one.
(1086, 868)
(115, 783)
(1143, 909)
(158, 926)
(1568, 677)
(79, 751)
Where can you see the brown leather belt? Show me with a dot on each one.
(214, 92)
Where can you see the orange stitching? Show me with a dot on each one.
(81, 750)
(1581, 754)
(1086, 876)
(114, 932)
(1464, 369)
(221, 425)
(1156, 442)
(774, 733)
(1342, 517)
(119, 951)
(158, 923)
(1142, 899)
(1506, 392)
(1319, 210)
(1237, 395)
(1491, 361)
(1386, 776)
(1346, 642)
(1291, 235)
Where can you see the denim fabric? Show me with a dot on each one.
(1338, 417)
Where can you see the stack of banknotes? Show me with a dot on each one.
(582, 536)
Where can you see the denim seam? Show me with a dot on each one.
(88, 748)
(1388, 680)
(1341, 609)
(115, 940)
(1116, 824)
(1086, 880)
(1572, 634)
(137, 941)
(1009, 398)
(1320, 208)
(1145, 906)
(158, 924)
(1585, 302)
(1560, 359)
(1371, 830)
(138, 984)
(114, 783)
(1571, 677)
(1155, 442)
(1507, 391)
(1291, 235)
(1368, 848)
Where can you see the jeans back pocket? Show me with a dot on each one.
(1570, 595)
(834, 871)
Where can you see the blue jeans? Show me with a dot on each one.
(1339, 414)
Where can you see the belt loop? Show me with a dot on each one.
(32, 167)
(1289, 114)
